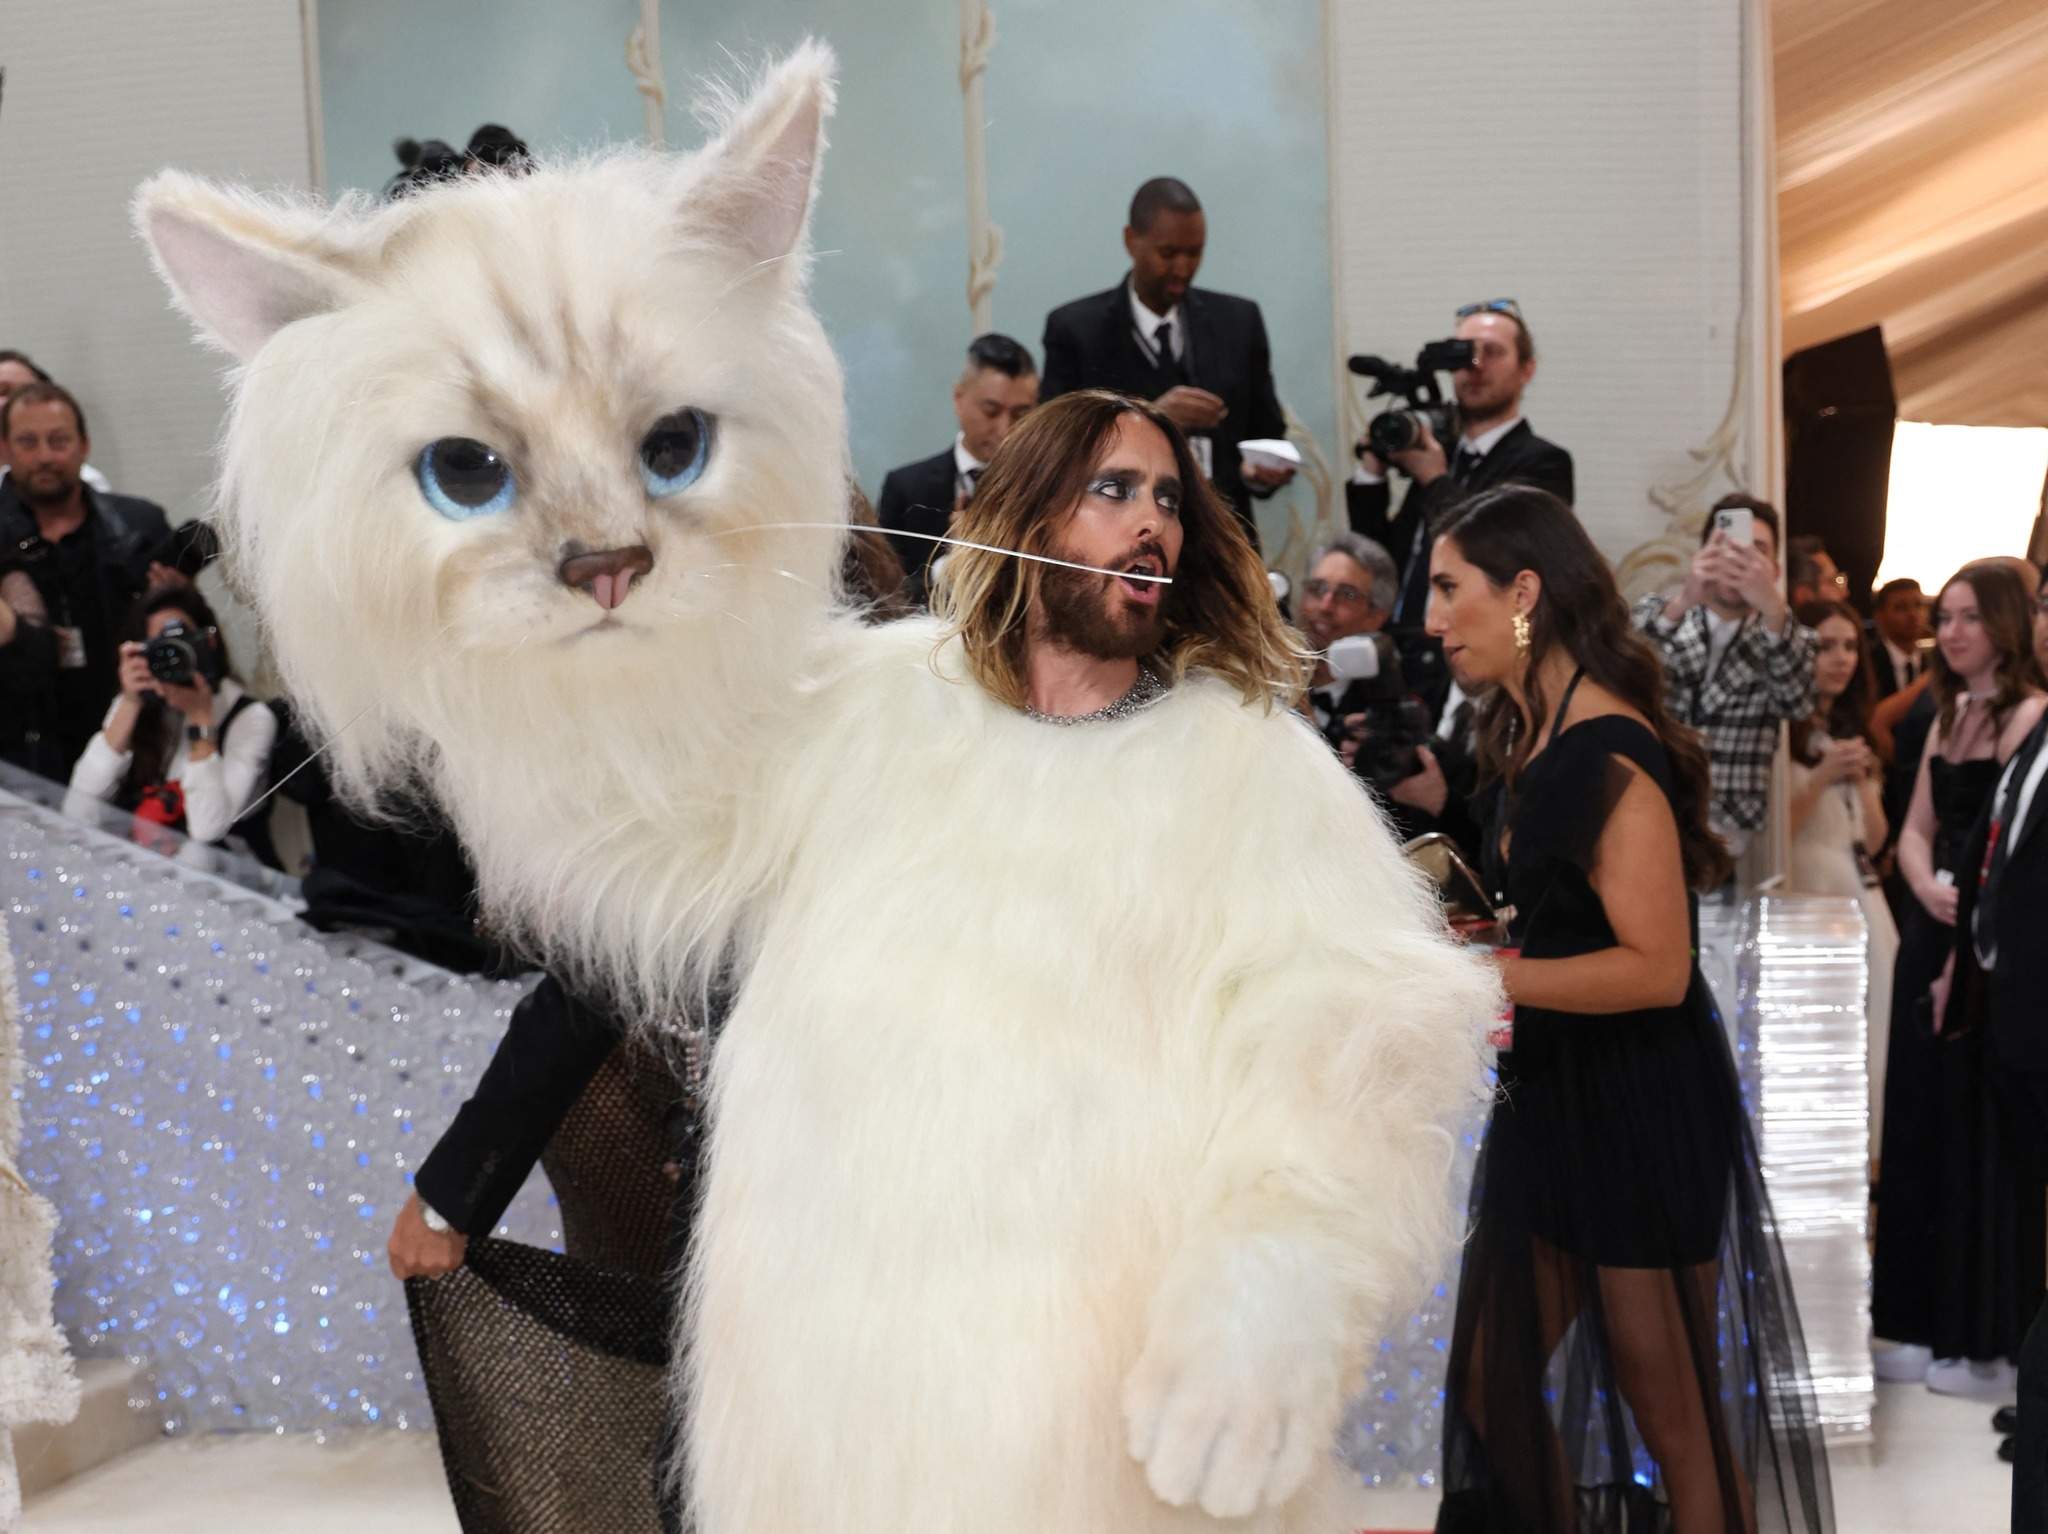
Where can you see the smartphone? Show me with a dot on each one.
(1738, 523)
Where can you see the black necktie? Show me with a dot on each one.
(1466, 464)
(2005, 830)
(1162, 338)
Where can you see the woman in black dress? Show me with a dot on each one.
(1957, 1265)
(1627, 1354)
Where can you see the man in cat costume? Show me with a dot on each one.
(1081, 1117)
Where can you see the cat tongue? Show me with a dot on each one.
(610, 589)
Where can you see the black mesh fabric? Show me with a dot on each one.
(607, 1160)
(547, 1371)
(1626, 1357)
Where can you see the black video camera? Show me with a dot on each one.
(182, 651)
(1395, 431)
(1395, 724)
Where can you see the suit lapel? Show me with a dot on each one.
(1121, 332)
(1201, 321)
(1497, 465)
(2038, 810)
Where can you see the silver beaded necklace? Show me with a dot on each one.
(1147, 690)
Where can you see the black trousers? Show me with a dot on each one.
(2027, 1091)
(2030, 1450)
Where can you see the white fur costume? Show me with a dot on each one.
(1081, 1118)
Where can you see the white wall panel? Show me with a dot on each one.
(100, 93)
(1585, 157)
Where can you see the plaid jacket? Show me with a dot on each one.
(1763, 679)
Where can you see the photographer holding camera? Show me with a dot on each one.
(1491, 443)
(182, 746)
(1357, 693)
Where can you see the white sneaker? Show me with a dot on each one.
(1977, 1381)
(1900, 1362)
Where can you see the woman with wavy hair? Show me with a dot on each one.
(1595, 1382)
(1957, 1259)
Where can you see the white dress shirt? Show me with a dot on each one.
(2023, 801)
(2010, 803)
(966, 467)
(1904, 662)
(1148, 324)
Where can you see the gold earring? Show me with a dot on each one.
(1521, 633)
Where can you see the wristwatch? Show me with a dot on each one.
(197, 734)
(433, 1219)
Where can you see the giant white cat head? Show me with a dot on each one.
(496, 450)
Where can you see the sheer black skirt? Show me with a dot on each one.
(1627, 1353)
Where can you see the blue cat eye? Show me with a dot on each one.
(674, 452)
(463, 478)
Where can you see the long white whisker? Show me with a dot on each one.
(311, 758)
(958, 543)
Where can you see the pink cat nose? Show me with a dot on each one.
(607, 575)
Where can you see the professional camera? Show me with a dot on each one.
(1395, 431)
(1395, 724)
(182, 651)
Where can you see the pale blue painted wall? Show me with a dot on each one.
(1084, 101)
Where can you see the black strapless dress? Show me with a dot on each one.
(1625, 1321)
(1958, 1260)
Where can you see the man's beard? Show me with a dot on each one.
(1085, 614)
(45, 487)
(1486, 410)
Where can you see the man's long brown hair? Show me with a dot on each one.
(1220, 614)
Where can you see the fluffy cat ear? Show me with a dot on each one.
(756, 178)
(241, 267)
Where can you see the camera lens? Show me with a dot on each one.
(171, 660)
(1393, 432)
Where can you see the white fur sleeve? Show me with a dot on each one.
(1359, 1024)
(1349, 1026)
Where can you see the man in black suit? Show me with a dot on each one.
(1201, 357)
(997, 389)
(1898, 619)
(72, 562)
(2000, 910)
(1496, 445)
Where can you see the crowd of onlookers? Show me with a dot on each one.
(1915, 752)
